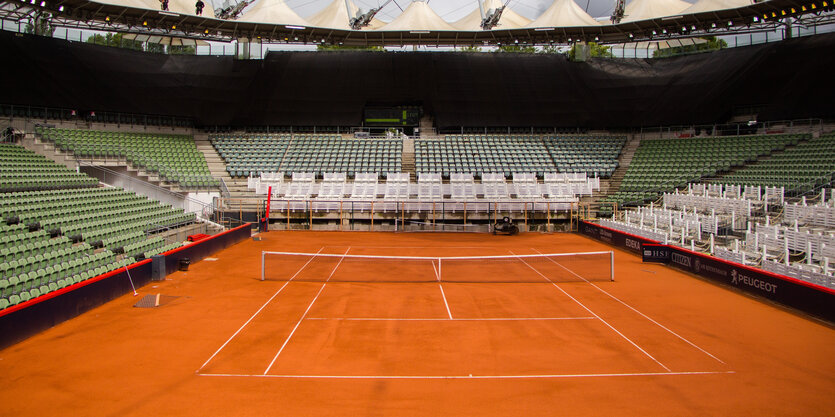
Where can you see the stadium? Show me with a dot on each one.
(408, 207)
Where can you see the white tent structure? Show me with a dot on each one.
(509, 20)
(188, 7)
(711, 5)
(272, 11)
(652, 9)
(337, 16)
(418, 16)
(564, 13)
(140, 4)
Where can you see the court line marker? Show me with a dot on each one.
(542, 376)
(595, 315)
(635, 310)
(257, 312)
(304, 314)
(445, 302)
(445, 319)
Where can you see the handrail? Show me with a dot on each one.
(204, 206)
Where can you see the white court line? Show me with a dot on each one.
(443, 319)
(445, 302)
(635, 310)
(257, 312)
(414, 247)
(304, 314)
(598, 317)
(541, 376)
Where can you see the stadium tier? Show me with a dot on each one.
(808, 165)
(663, 164)
(21, 169)
(174, 157)
(478, 154)
(50, 239)
(253, 154)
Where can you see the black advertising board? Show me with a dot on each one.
(656, 253)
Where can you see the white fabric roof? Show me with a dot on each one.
(141, 4)
(509, 20)
(564, 13)
(710, 5)
(651, 9)
(188, 7)
(336, 16)
(272, 11)
(418, 16)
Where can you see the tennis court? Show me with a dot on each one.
(417, 324)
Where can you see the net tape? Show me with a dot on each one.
(533, 268)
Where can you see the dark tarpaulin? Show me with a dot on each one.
(785, 80)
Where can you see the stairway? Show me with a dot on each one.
(408, 158)
(240, 197)
(427, 127)
(625, 159)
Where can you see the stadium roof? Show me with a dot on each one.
(272, 11)
(418, 16)
(564, 13)
(337, 16)
(652, 9)
(510, 19)
(272, 21)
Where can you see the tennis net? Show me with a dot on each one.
(537, 268)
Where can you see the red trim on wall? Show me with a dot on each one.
(101, 277)
(731, 263)
(65, 290)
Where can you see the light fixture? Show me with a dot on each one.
(43, 4)
(825, 4)
(173, 27)
(654, 33)
(693, 27)
(631, 36)
(783, 12)
(730, 22)
(145, 23)
(60, 8)
(793, 10)
(32, 1)
(803, 8)
(596, 38)
(773, 14)
(516, 41)
(206, 31)
(664, 31)
(107, 18)
(814, 7)
(295, 27)
(756, 19)
(713, 25)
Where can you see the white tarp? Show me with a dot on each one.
(418, 16)
(564, 13)
(711, 5)
(652, 9)
(140, 4)
(336, 16)
(190, 7)
(509, 19)
(272, 11)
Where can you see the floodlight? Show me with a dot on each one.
(43, 4)
(60, 8)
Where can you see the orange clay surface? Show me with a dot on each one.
(654, 342)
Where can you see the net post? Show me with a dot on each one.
(612, 265)
(262, 266)
(439, 269)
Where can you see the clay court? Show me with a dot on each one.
(352, 336)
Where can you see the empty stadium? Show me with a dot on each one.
(362, 207)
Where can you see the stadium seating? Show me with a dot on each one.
(479, 154)
(253, 154)
(593, 155)
(663, 164)
(53, 238)
(174, 157)
(24, 170)
(800, 169)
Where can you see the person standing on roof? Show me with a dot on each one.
(164, 4)
(199, 5)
